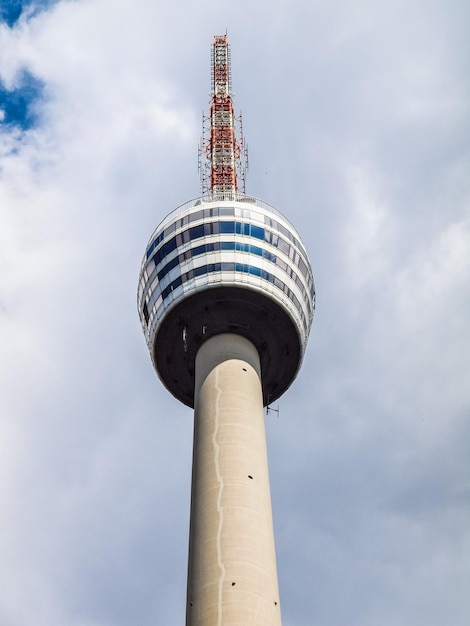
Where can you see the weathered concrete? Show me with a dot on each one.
(232, 578)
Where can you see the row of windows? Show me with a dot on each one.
(214, 247)
(232, 246)
(187, 219)
(204, 230)
(227, 267)
(212, 212)
(239, 228)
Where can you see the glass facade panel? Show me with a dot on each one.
(227, 227)
(257, 231)
(196, 231)
(197, 215)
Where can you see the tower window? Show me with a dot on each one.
(146, 313)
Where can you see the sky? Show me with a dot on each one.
(356, 118)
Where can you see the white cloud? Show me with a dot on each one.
(369, 229)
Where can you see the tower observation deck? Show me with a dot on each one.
(226, 300)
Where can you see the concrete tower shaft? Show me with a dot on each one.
(232, 579)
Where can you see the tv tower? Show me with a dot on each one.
(226, 300)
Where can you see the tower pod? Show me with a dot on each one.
(226, 266)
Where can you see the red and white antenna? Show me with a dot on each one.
(223, 156)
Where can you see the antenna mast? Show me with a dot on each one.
(223, 156)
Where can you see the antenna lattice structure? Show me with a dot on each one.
(223, 155)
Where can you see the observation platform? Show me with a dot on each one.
(226, 266)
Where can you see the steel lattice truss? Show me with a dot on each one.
(223, 156)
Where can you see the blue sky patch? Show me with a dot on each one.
(11, 10)
(17, 105)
